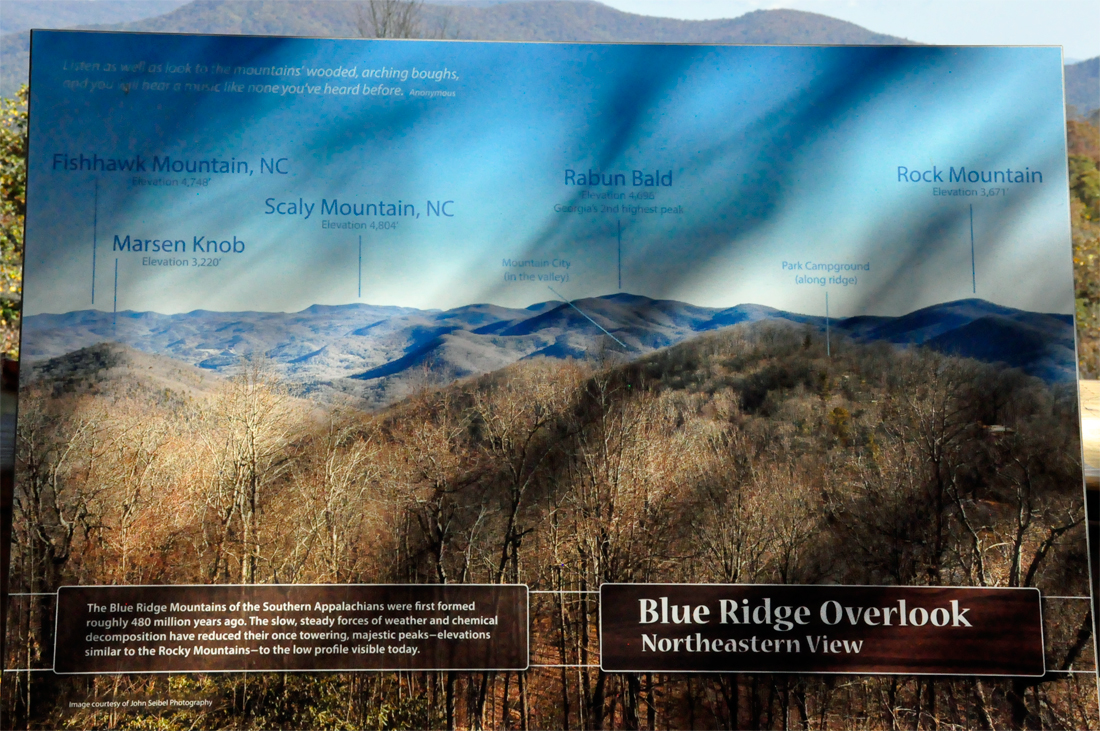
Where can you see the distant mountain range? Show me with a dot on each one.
(377, 353)
(20, 15)
(1083, 87)
(541, 20)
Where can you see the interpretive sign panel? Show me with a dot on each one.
(302, 313)
(822, 629)
(129, 629)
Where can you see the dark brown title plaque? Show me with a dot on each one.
(820, 629)
(235, 628)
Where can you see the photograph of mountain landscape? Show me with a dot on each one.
(377, 355)
(563, 315)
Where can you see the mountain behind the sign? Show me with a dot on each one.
(547, 20)
(376, 352)
(541, 20)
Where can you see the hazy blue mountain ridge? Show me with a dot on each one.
(540, 20)
(386, 345)
(1083, 86)
(545, 20)
(20, 15)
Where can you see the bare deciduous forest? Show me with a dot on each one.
(746, 456)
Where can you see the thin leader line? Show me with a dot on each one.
(620, 342)
(114, 322)
(973, 268)
(95, 234)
